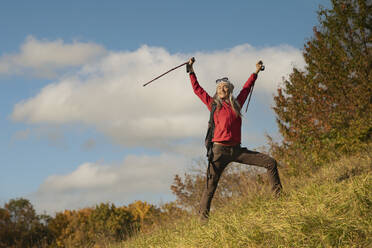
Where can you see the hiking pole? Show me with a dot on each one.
(249, 98)
(250, 93)
(168, 72)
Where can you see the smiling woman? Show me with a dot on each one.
(224, 94)
(223, 90)
(225, 129)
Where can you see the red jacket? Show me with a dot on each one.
(227, 124)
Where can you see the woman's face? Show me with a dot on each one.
(223, 91)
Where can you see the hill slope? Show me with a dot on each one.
(329, 208)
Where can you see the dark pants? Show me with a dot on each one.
(222, 156)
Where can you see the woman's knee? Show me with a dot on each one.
(271, 163)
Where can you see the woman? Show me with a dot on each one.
(227, 135)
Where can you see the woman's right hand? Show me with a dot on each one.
(191, 61)
(189, 65)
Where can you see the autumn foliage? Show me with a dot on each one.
(20, 226)
(325, 110)
(97, 226)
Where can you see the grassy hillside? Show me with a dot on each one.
(331, 207)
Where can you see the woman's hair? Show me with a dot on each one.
(233, 102)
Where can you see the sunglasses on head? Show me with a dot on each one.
(225, 79)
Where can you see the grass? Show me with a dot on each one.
(332, 207)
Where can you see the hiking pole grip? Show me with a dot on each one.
(189, 66)
(262, 66)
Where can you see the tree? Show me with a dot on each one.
(57, 227)
(326, 109)
(20, 226)
(5, 228)
(89, 227)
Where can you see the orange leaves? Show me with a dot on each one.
(141, 210)
(95, 226)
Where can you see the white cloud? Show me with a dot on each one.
(109, 96)
(44, 58)
(136, 178)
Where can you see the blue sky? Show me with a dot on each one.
(78, 128)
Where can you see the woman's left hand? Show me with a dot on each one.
(258, 66)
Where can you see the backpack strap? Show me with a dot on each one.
(210, 133)
(209, 143)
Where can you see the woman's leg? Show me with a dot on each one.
(214, 172)
(245, 156)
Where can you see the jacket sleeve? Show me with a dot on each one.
(200, 92)
(246, 89)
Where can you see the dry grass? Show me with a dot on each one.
(330, 208)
